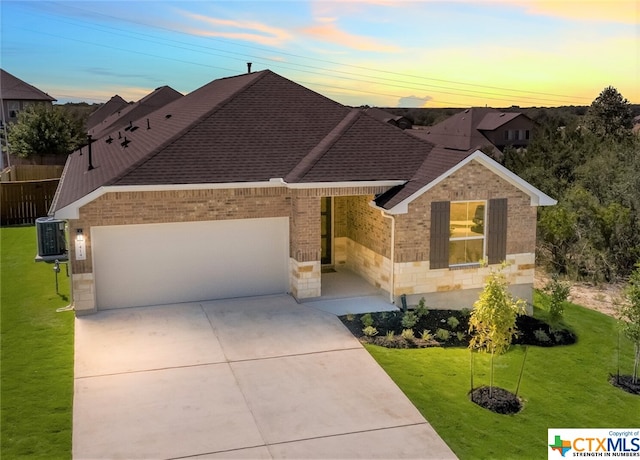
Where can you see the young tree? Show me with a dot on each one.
(42, 130)
(610, 114)
(629, 314)
(492, 323)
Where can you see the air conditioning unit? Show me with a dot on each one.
(52, 244)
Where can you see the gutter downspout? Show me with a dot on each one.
(392, 297)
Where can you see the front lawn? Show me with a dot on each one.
(562, 387)
(36, 392)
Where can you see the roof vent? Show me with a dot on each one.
(109, 139)
(125, 143)
(167, 116)
(148, 125)
(249, 67)
(89, 142)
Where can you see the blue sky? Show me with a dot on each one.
(384, 53)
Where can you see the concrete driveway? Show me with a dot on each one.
(245, 378)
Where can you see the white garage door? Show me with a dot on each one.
(153, 264)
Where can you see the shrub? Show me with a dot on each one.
(461, 336)
(453, 322)
(427, 335)
(350, 317)
(541, 336)
(558, 292)
(367, 320)
(390, 336)
(370, 331)
(409, 319)
(421, 310)
(443, 335)
(408, 335)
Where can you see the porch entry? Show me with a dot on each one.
(326, 230)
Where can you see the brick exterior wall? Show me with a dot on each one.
(471, 182)
(302, 206)
(362, 236)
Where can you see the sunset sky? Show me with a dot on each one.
(387, 53)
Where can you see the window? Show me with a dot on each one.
(464, 232)
(14, 108)
(466, 226)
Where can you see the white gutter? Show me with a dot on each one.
(392, 290)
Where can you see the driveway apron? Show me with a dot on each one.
(257, 377)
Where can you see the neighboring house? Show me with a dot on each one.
(481, 128)
(395, 120)
(252, 184)
(17, 95)
(122, 119)
(110, 107)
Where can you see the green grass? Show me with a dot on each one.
(36, 392)
(563, 387)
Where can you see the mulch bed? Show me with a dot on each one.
(447, 332)
(496, 399)
(625, 382)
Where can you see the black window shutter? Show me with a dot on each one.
(497, 231)
(439, 238)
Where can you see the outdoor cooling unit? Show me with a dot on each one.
(51, 239)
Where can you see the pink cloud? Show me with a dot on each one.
(239, 30)
(326, 30)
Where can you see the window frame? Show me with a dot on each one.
(485, 204)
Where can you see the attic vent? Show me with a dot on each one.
(502, 114)
(466, 111)
(109, 139)
(125, 143)
(168, 116)
(133, 128)
(148, 125)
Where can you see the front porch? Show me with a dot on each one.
(344, 291)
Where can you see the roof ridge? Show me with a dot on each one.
(190, 126)
(314, 155)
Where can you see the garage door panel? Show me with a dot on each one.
(154, 264)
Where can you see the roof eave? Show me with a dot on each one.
(538, 198)
(72, 210)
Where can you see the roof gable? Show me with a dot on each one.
(126, 115)
(12, 88)
(101, 113)
(538, 198)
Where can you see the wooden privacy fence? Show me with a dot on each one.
(23, 202)
(31, 172)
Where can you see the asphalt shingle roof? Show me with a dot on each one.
(463, 131)
(252, 127)
(105, 110)
(12, 88)
(121, 117)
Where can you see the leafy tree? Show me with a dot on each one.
(629, 315)
(44, 130)
(492, 323)
(610, 114)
